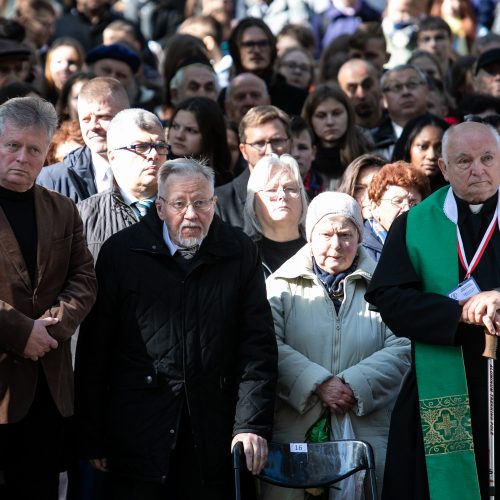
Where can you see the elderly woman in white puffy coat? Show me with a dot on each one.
(333, 351)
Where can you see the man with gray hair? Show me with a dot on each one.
(47, 287)
(136, 149)
(86, 170)
(193, 79)
(178, 359)
(437, 283)
(405, 91)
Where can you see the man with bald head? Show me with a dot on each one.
(86, 171)
(437, 283)
(360, 81)
(243, 93)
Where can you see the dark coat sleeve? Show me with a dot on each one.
(257, 352)
(396, 291)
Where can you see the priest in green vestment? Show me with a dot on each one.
(437, 283)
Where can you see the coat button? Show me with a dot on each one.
(172, 431)
(149, 379)
(154, 247)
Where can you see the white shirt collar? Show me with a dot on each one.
(172, 247)
(102, 172)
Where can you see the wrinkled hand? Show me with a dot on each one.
(255, 448)
(40, 342)
(99, 464)
(336, 395)
(483, 309)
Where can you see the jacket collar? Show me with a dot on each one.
(300, 266)
(44, 225)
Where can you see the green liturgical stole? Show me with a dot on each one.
(431, 239)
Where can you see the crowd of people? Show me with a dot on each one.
(244, 221)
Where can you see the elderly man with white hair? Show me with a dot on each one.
(177, 361)
(437, 283)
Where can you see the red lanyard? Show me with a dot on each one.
(469, 268)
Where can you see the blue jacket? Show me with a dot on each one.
(74, 176)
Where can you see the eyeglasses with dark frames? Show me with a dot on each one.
(143, 148)
(276, 144)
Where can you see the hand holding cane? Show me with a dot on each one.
(490, 348)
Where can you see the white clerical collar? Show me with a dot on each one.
(450, 208)
(172, 247)
(102, 172)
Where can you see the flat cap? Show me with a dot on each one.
(114, 51)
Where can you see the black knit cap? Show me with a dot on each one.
(114, 51)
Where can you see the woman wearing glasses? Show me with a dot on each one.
(297, 67)
(329, 113)
(275, 209)
(394, 189)
(198, 130)
(337, 360)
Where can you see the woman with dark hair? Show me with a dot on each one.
(197, 129)
(66, 103)
(420, 145)
(64, 58)
(427, 62)
(329, 113)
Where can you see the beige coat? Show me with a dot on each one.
(315, 343)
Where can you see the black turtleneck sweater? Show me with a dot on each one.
(19, 208)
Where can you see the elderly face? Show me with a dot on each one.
(22, 153)
(247, 91)
(425, 150)
(395, 201)
(405, 95)
(334, 243)
(198, 81)
(473, 167)
(94, 116)
(134, 172)
(278, 203)
(187, 226)
(255, 50)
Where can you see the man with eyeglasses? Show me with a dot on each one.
(404, 91)
(178, 360)
(86, 171)
(263, 130)
(487, 73)
(136, 149)
(437, 283)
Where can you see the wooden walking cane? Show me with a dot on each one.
(490, 352)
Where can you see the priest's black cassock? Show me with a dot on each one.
(434, 319)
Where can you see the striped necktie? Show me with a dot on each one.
(188, 253)
(142, 206)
